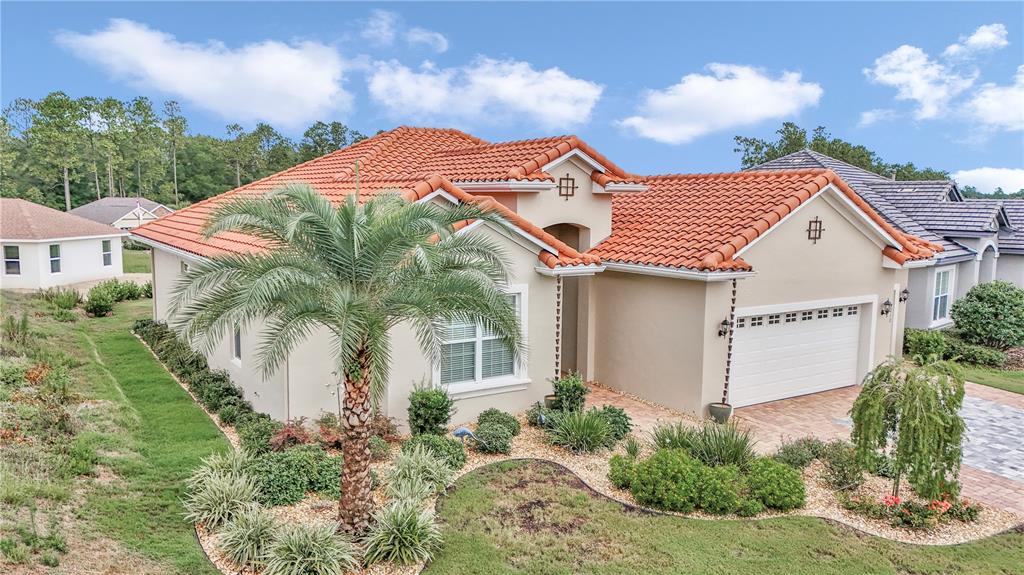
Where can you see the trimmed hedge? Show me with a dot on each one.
(501, 418)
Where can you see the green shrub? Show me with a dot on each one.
(720, 489)
(801, 452)
(922, 344)
(882, 465)
(667, 480)
(402, 533)
(775, 484)
(501, 418)
(291, 434)
(231, 463)
(633, 447)
(408, 488)
(62, 298)
(228, 414)
(620, 471)
(447, 449)
(991, 314)
(147, 290)
(570, 392)
(380, 449)
(842, 469)
(284, 477)
(493, 437)
(12, 373)
(540, 416)
(582, 431)
(64, 315)
(430, 410)
(619, 422)
(914, 515)
(964, 352)
(964, 510)
(717, 444)
(419, 463)
(119, 290)
(246, 538)
(255, 434)
(99, 303)
(217, 498)
(749, 507)
(311, 549)
(674, 435)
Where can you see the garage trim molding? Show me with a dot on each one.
(870, 299)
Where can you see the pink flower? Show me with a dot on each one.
(940, 506)
(891, 500)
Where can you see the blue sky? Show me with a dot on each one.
(656, 87)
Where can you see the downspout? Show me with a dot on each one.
(728, 354)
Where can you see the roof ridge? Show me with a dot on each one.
(739, 174)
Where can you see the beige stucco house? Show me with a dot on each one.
(681, 289)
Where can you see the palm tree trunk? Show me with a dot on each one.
(356, 501)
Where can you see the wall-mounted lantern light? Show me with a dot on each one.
(723, 328)
(904, 295)
(886, 307)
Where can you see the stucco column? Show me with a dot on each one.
(585, 328)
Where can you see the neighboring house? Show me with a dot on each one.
(979, 240)
(122, 213)
(43, 247)
(634, 281)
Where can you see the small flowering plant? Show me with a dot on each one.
(891, 501)
(912, 513)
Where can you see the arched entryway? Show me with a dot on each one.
(575, 324)
(987, 269)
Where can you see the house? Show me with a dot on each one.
(979, 241)
(122, 213)
(680, 289)
(43, 247)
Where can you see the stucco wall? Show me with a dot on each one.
(649, 337)
(1011, 269)
(306, 385)
(844, 263)
(594, 211)
(81, 260)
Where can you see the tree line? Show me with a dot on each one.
(63, 152)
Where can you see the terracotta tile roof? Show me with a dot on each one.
(24, 220)
(701, 221)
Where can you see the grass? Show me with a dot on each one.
(137, 261)
(1006, 380)
(141, 427)
(533, 518)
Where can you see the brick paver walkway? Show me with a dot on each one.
(993, 466)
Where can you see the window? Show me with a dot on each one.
(236, 344)
(852, 310)
(757, 321)
(108, 258)
(837, 312)
(822, 313)
(12, 260)
(741, 323)
(791, 317)
(54, 258)
(773, 319)
(806, 315)
(472, 353)
(943, 287)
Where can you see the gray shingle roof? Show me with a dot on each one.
(1011, 240)
(109, 210)
(24, 220)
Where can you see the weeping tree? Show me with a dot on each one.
(913, 413)
(354, 272)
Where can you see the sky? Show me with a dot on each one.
(657, 88)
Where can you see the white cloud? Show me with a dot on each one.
(269, 81)
(987, 37)
(1000, 107)
(875, 115)
(485, 90)
(731, 96)
(380, 27)
(433, 40)
(919, 78)
(986, 180)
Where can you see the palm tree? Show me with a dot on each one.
(356, 270)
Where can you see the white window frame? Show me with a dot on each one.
(479, 385)
(107, 251)
(49, 252)
(16, 260)
(236, 345)
(950, 290)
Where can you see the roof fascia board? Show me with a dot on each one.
(575, 152)
(167, 248)
(499, 186)
(618, 188)
(678, 273)
(571, 271)
(69, 239)
(910, 264)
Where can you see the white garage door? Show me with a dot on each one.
(782, 355)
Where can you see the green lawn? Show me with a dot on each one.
(532, 518)
(146, 434)
(1008, 380)
(137, 261)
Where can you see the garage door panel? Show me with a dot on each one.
(785, 359)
